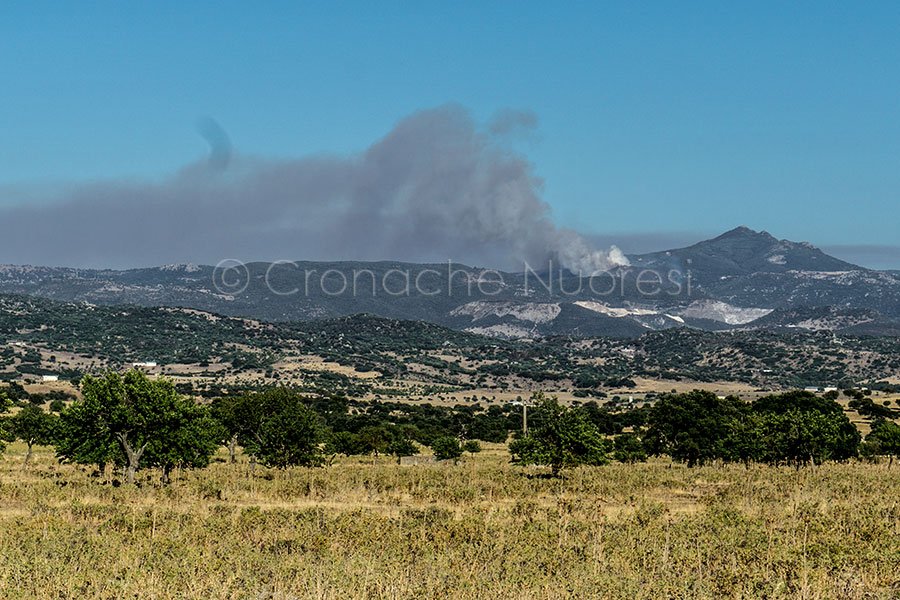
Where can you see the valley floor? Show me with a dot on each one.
(364, 528)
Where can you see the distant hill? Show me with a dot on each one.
(743, 251)
(735, 280)
(365, 354)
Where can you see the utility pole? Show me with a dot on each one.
(524, 418)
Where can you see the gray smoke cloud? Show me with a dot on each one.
(436, 187)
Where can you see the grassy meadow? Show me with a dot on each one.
(368, 529)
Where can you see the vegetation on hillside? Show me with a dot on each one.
(100, 337)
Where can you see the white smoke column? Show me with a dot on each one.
(436, 187)
(578, 256)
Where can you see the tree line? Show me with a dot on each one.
(134, 422)
(696, 428)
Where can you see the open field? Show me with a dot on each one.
(478, 529)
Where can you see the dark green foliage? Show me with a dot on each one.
(51, 396)
(867, 408)
(15, 392)
(86, 438)
(278, 429)
(628, 448)
(883, 440)
(800, 437)
(602, 418)
(375, 439)
(559, 437)
(380, 439)
(188, 439)
(794, 428)
(403, 446)
(693, 427)
(800, 427)
(134, 421)
(471, 446)
(344, 442)
(33, 426)
(446, 448)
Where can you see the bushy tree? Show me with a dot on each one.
(189, 440)
(344, 442)
(226, 410)
(446, 448)
(866, 407)
(799, 437)
(559, 437)
(121, 419)
(628, 448)
(375, 439)
(279, 430)
(801, 428)
(694, 427)
(15, 392)
(471, 446)
(602, 417)
(385, 439)
(33, 426)
(884, 439)
(792, 428)
(403, 446)
(85, 438)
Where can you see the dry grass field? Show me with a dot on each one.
(480, 529)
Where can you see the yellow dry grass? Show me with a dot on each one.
(478, 529)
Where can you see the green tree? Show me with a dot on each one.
(559, 437)
(33, 426)
(375, 439)
(403, 446)
(120, 417)
(279, 430)
(746, 439)
(189, 440)
(801, 428)
(471, 446)
(15, 392)
(628, 448)
(346, 443)
(884, 439)
(800, 437)
(446, 448)
(84, 438)
(694, 427)
(866, 407)
(226, 410)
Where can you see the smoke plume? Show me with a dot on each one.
(436, 187)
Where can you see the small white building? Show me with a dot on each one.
(144, 365)
(50, 378)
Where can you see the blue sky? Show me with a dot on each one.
(665, 119)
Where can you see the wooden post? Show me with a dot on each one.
(524, 419)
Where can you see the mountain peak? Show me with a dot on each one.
(743, 251)
(744, 232)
